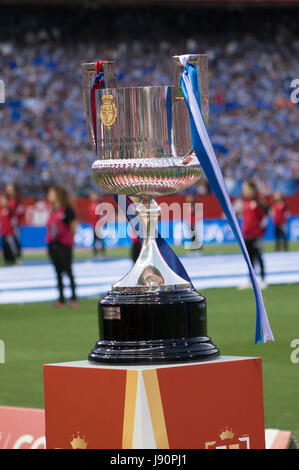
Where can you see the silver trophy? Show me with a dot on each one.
(142, 139)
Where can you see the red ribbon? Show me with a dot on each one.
(96, 86)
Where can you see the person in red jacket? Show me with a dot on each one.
(9, 246)
(254, 225)
(280, 215)
(61, 227)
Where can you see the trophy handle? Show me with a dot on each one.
(89, 73)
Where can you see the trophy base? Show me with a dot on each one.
(153, 328)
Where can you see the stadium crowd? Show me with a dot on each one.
(253, 123)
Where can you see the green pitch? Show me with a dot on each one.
(35, 334)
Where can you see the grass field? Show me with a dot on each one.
(35, 334)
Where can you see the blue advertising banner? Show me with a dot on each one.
(213, 231)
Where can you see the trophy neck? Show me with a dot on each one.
(148, 212)
(151, 272)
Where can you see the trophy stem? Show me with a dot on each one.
(150, 272)
(148, 212)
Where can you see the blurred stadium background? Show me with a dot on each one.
(253, 51)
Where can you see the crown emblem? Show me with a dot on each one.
(78, 442)
(226, 434)
(108, 111)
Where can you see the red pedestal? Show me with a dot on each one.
(215, 404)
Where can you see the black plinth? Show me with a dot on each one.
(150, 328)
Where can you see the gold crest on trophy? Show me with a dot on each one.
(108, 111)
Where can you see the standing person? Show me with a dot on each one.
(280, 215)
(17, 210)
(98, 242)
(61, 228)
(10, 249)
(254, 225)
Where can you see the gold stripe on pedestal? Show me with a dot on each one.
(130, 405)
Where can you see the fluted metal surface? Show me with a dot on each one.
(152, 176)
(145, 151)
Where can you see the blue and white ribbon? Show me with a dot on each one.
(207, 158)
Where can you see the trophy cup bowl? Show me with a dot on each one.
(142, 139)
